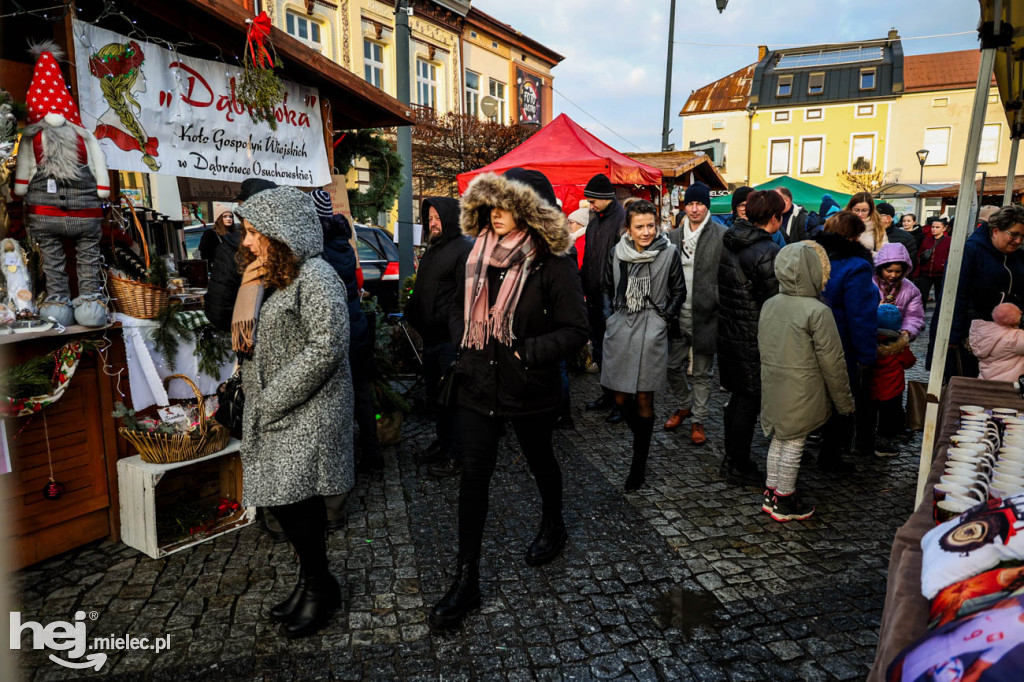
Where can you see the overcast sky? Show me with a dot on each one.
(614, 50)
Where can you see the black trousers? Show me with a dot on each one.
(480, 435)
(741, 413)
(892, 419)
(595, 318)
(436, 359)
(925, 284)
(363, 373)
(305, 524)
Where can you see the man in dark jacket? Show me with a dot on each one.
(896, 234)
(428, 311)
(746, 279)
(602, 234)
(794, 219)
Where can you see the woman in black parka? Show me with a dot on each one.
(517, 314)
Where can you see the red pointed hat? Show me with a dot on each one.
(48, 94)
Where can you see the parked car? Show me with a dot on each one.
(193, 235)
(378, 256)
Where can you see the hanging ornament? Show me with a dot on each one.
(52, 490)
(261, 90)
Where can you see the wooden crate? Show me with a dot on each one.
(145, 489)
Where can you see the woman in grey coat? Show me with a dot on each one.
(291, 326)
(644, 289)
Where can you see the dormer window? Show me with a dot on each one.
(867, 79)
(816, 83)
(785, 86)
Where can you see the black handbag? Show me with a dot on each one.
(231, 404)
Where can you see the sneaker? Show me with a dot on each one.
(790, 508)
(766, 506)
(884, 448)
(449, 467)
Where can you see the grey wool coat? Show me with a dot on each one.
(704, 297)
(636, 344)
(803, 370)
(297, 423)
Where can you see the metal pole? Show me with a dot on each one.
(920, 201)
(963, 224)
(665, 146)
(405, 253)
(1011, 172)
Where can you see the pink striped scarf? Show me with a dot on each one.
(514, 253)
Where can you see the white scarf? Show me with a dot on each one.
(689, 245)
(638, 286)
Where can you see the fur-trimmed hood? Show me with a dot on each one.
(490, 190)
(888, 345)
(802, 269)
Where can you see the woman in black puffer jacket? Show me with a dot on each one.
(746, 279)
(517, 314)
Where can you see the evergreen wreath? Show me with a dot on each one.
(385, 173)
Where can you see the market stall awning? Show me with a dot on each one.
(994, 186)
(804, 194)
(899, 190)
(681, 165)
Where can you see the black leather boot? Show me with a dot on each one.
(318, 602)
(642, 427)
(549, 541)
(285, 609)
(462, 597)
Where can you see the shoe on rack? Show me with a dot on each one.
(790, 508)
(462, 597)
(445, 469)
(549, 542)
(746, 474)
(676, 420)
(615, 416)
(885, 448)
(603, 403)
(697, 435)
(433, 453)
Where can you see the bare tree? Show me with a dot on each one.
(861, 179)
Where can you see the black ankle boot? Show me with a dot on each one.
(318, 602)
(549, 541)
(462, 597)
(643, 427)
(285, 609)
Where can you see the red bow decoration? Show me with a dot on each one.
(259, 30)
(227, 507)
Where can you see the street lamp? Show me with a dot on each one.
(720, 4)
(922, 156)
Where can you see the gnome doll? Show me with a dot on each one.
(62, 174)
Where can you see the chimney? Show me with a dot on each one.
(762, 50)
(894, 34)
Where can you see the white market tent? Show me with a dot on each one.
(1001, 32)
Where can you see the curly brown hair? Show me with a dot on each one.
(281, 266)
(845, 224)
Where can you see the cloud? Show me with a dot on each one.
(615, 51)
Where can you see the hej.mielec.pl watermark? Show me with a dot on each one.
(70, 637)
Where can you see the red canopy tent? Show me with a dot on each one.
(569, 156)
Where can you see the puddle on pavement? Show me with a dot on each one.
(685, 609)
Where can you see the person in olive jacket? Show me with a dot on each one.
(517, 314)
(428, 310)
(746, 279)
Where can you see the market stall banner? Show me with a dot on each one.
(529, 87)
(157, 111)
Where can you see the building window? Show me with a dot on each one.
(810, 155)
(813, 114)
(718, 124)
(426, 84)
(785, 86)
(302, 28)
(936, 141)
(780, 117)
(778, 164)
(862, 153)
(373, 63)
(472, 93)
(494, 44)
(989, 151)
(867, 79)
(497, 89)
(940, 102)
(472, 34)
(865, 111)
(816, 84)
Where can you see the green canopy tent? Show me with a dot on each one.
(804, 193)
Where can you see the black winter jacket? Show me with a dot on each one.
(339, 255)
(794, 225)
(746, 279)
(898, 235)
(224, 282)
(429, 307)
(602, 234)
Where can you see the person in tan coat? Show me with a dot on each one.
(803, 372)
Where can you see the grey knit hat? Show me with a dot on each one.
(287, 215)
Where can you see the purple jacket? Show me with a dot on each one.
(904, 295)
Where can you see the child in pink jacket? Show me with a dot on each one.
(999, 344)
(892, 268)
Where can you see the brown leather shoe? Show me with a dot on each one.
(676, 420)
(697, 434)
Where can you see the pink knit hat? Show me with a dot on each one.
(1006, 315)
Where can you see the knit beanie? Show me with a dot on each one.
(1006, 315)
(698, 191)
(536, 180)
(599, 187)
(739, 196)
(252, 187)
(886, 209)
(322, 202)
(889, 317)
(580, 216)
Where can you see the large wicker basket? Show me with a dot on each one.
(137, 299)
(160, 448)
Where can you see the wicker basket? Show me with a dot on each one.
(133, 298)
(160, 448)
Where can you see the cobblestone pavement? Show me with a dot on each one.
(684, 580)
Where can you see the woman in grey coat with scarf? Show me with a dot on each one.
(291, 326)
(644, 288)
